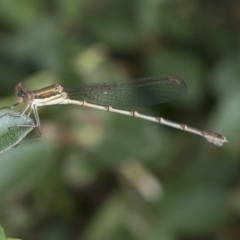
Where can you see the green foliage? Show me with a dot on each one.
(12, 130)
(98, 175)
(3, 237)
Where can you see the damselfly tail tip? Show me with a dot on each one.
(216, 139)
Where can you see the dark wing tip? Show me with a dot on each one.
(175, 79)
(179, 81)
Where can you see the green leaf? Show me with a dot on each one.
(2, 234)
(11, 129)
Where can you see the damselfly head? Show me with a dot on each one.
(20, 91)
(22, 94)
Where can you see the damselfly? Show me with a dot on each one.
(112, 97)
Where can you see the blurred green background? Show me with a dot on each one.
(102, 176)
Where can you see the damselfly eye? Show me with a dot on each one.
(21, 93)
(20, 90)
